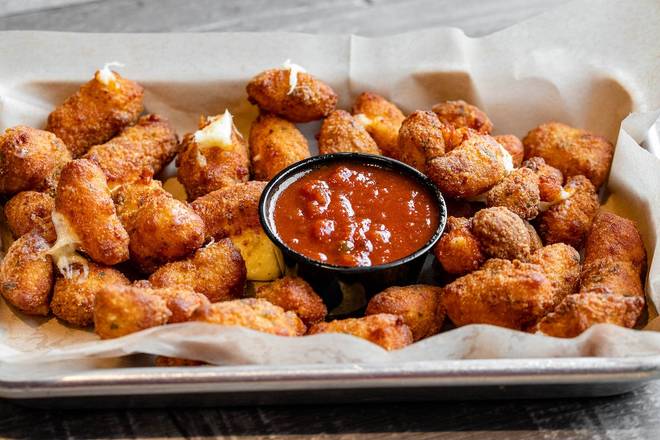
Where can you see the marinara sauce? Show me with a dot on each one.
(351, 214)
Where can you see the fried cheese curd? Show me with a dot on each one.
(420, 139)
(137, 151)
(569, 220)
(512, 294)
(419, 306)
(470, 169)
(461, 114)
(611, 288)
(230, 211)
(551, 180)
(99, 110)
(571, 150)
(85, 210)
(296, 295)
(501, 234)
(459, 250)
(213, 157)
(253, 313)
(519, 192)
(275, 143)
(216, 270)
(382, 119)
(31, 211)
(26, 273)
(161, 228)
(341, 132)
(73, 297)
(513, 145)
(388, 331)
(301, 98)
(122, 310)
(31, 160)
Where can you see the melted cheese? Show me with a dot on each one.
(294, 70)
(217, 133)
(64, 250)
(507, 160)
(105, 75)
(363, 119)
(564, 195)
(262, 258)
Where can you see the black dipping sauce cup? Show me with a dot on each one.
(326, 278)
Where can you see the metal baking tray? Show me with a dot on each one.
(267, 384)
(262, 385)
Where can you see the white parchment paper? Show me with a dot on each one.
(590, 64)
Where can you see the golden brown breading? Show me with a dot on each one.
(513, 145)
(468, 170)
(561, 264)
(610, 282)
(130, 198)
(341, 132)
(138, 151)
(458, 250)
(571, 150)
(294, 294)
(73, 298)
(96, 112)
(501, 234)
(510, 294)
(161, 228)
(419, 306)
(580, 311)
(31, 159)
(615, 238)
(31, 211)
(217, 270)
(230, 211)
(519, 192)
(143, 284)
(275, 143)
(182, 302)
(607, 276)
(255, 314)
(83, 199)
(614, 257)
(461, 114)
(455, 136)
(122, 310)
(26, 273)
(213, 165)
(311, 99)
(420, 139)
(381, 118)
(550, 179)
(569, 221)
(388, 331)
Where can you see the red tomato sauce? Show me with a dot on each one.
(350, 214)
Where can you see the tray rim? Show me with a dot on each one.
(155, 381)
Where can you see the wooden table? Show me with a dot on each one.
(632, 416)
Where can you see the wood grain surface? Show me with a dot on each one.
(632, 416)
